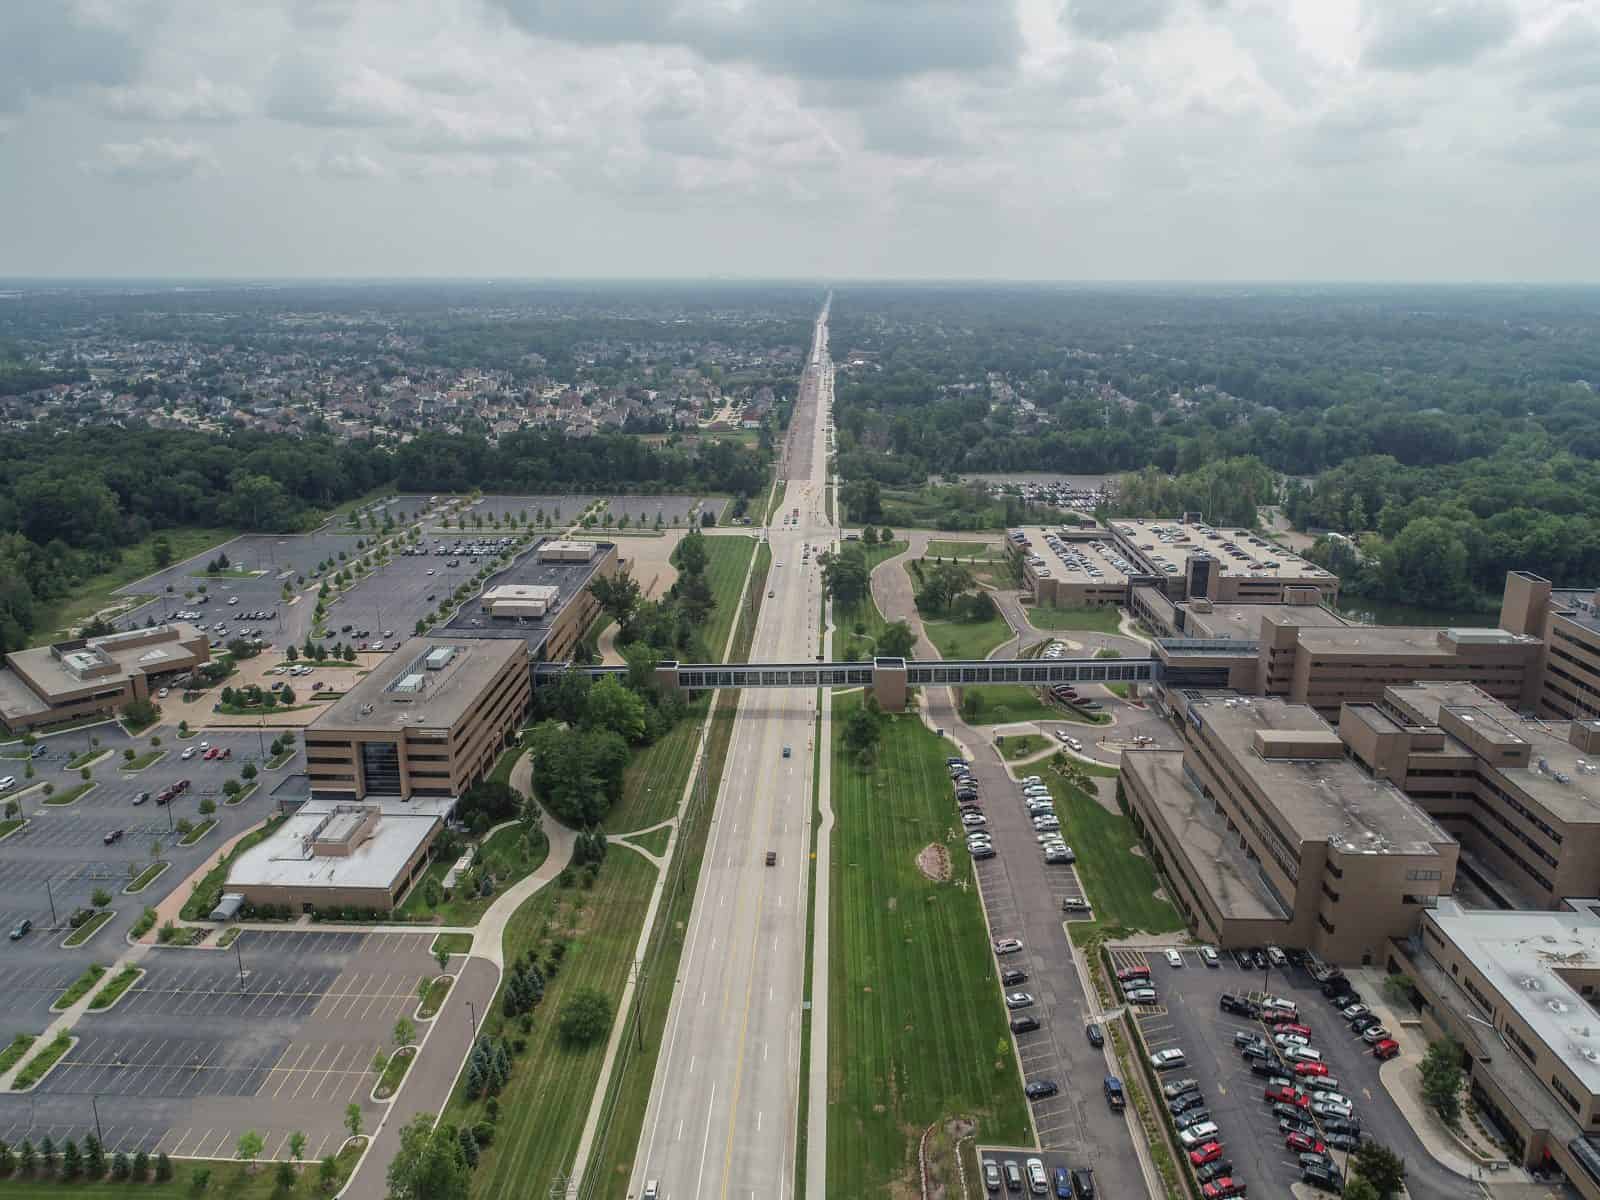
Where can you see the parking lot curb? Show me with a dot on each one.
(22, 1091)
(130, 890)
(63, 943)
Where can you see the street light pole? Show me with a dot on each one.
(98, 1136)
(472, 1012)
(239, 956)
(54, 920)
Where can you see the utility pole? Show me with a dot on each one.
(472, 1013)
(239, 956)
(54, 920)
(98, 1136)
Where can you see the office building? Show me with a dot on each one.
(1567, 622)
(1269, 834)
(542, 599)
(429, 721)
(1517, 991)
(341, 854)
(1521, 795)
(92, 677)
(1189, 559)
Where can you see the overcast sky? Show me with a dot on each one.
(1052, 139)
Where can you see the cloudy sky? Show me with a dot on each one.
(1045, 139)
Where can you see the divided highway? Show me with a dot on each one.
(722, 1114)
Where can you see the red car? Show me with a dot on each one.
(182, 785)
(1306, 1069)
(1291, 1027)
(1285, 1095)
(1222, 1188)
(209, 754)
(1128, 973)
(1209, 1152)
(1387, 1048)
(1304, 1143)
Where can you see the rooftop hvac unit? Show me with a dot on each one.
(439, 659)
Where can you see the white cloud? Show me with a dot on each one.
(340, 164)
(200, 101)
(151, 159)
(1418, 35)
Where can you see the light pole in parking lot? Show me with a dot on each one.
(54, 920)
(95, 1108)
(239, 957)
(472, 1013)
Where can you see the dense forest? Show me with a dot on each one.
(1450, 432)
(69, 503)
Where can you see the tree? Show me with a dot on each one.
(231, 787)
(71, 1160)
(128, 754)
(941, 586)
(250, 1146)
(1398, 989)
(291, 653)
(200, 1179)
(442, 957)
(869, 536)
(161, 550)
(94, 1157)
(1441, 1079)
(285, 694)
(1357, 1188)
(585, 1017)
(861, 731)
(1379, 1166)
(405, 1032)
(430, 1164)
(897, 641)
(297, 1145)
(612, 706)
(352, 1118)
(619, 597)
(248, 771)
(99, 897)
(327, 1172)
(163, 1167)
(207, 806)
(284, 1176)
(971, 705)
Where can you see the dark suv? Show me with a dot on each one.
(1237, 1005)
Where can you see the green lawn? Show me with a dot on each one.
(92, 974)
(543, 1108)
(967, 640)
(1023, 745)
(1007, 702)
(205, 895)
(916, 1029)
(89, 928)
(121, 982)
(147, 876)
(727, 560)
(1121, 885)
(655, 841)
(507, 862)
(438, 989)
(54, 618)
(860, 624)
(60, 799)
(654, 779)
(140, 761)
(19, 1046)
(10, 826)
(1089, 618)
(230, 1180)
(988, 551)
(452, 943)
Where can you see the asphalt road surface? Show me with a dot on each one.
(722, 1114)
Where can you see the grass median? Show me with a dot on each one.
(916, 1031)
(12, 1054)
(208, 892)
(233, 1180)
(34, 1069)
(89, 928)
(112, 992)
(1122, 886)
(92, 975)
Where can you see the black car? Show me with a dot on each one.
(1083, 1183)
(1341, 1141)
(1265, 1067)
(1041, 1089)
(1237, 1005)
(1352, 1127)
(1095, 1034)
(1364, 1022)
(1245, 1038)
(1024, 1024)
(113, 837)
(1242, 957)
(1285, 1111)
(1336, 986)
(1256, 1052)
(1261, 960)
(1215, 1170)
(1013, 976)
(1323, 1178)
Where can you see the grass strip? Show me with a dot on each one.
(233, 1180)
(93, 755)
(393, 1072)
(19, 1046)
(11, 826)
(1104, 618)
(195, 834)
(654, 842)
(506, 855)
(1121, 885)
(1004, 704)
(147, 876)
(59, 799)
(916, 1032)
(433, 998)
(967, 640)
(140, 761)
(802, 1137)
(145, 923)
(453, 943)
(89, 928)
(34, 1069)
(92, 975)
(229, 936)
(112, 992)
(208, 891)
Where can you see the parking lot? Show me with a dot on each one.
(562, 510)
(1189, 1018)
(194, 1055)
(54, 863)
(1022, 898)
(391, 601)
(674, 511)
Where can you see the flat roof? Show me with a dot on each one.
(1406, 640)
(1320, 799)
(284, 859)
(17, 699)
(1078, 558)
(1581, 606)
(376, 703)
(1168, 542)
(44, 670)
(1244, 620)
(1562, 778)
(569, 577)
(1210, 852)
(1525, 955)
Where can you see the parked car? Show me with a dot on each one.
(1223, 1189)
(1019, 1000)
(1373, 1034)
(1140, 995)
(1237, 1005)
(1210, 957)
(1214, 1170)
(1012, 976)
(1304, 1141)
(1024, 1024)
(1174, 959)
(1041, 1089)
(1198, 1134)
(1166, 1060)
(1386, 1049)
(1095, 1034)
(1353, 1011)
(20, 929)
(1008, 945)
(1208, 1153)
(1178, 1087)
(1310, 1068)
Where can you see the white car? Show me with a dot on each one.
(187, 754)
(9, 782)
(163, 693)
(1302, 1054)
(1044, 824)
(1209, 956)
(1008, 945)
(1165, 1060)
(1196, 1134)
(1019, 1000)
(205, 745)
(1174, 959)
(1285, 1040)
(1140, 995)
(973, 818)
(1374, 1034)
